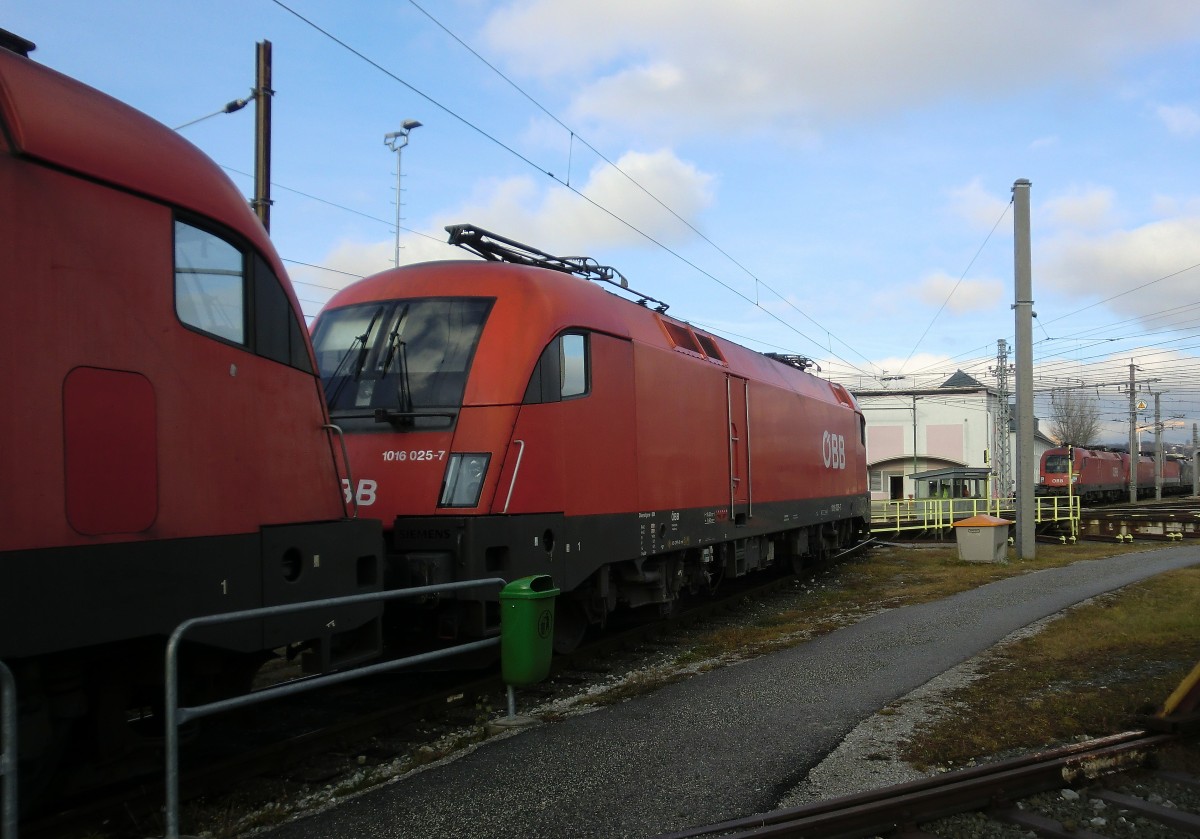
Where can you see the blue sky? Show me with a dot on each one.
(843, 167)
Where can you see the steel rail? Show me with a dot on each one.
(979, 787)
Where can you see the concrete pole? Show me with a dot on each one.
(916, 492)
(1134, 450)
(1158, 448)
(1023, 270)
(1195, 450)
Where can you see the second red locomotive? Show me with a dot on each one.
(510, 419)
(1097, 475)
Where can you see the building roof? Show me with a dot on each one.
(961, 379)
(962, 472)
(960, 382)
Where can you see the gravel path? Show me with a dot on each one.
(724, 744)
(867, 758)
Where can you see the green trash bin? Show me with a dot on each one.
(527, 629)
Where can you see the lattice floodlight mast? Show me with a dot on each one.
(496, 248)
(1003, 459)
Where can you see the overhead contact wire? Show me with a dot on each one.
(464, 121)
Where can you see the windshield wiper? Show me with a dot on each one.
(359, 341)
(397, 347)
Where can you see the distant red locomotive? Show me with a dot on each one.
(163, 443)
(508, 419)
(1097, 475)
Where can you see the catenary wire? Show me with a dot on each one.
(576, 136)
(961, 277)
(558, 180)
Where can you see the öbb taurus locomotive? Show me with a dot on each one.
(1097, 475)
(163, 443)
(506, 417)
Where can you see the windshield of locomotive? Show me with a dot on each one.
(1056, 464)
(399, 358)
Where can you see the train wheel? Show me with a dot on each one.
(798, 563)
(570, 626)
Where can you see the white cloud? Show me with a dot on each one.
(959, 296)
(897, 366)
(1101, 266)
(557, 221)
(1168, 206)
(1090, 208)
(677, 65)
(1179, 119)
(553, 219)
(976, 205)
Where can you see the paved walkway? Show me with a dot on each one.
(728, 743)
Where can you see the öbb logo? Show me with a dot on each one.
(833, 450)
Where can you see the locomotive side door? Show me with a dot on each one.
(737, 399)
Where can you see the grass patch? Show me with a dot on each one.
(1090, 673)
(905, 576)
(885, 578)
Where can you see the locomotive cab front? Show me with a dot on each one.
(464, 392)
(394, 373)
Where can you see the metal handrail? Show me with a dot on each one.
(895, 516)
(176, 716)
(352, 490)
(8, 752)
(516, 469)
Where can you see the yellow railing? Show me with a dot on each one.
(941, 513)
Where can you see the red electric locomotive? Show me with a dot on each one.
(1177, 476)
(509, 419)
(1094, 475)
(1097, 475)
(163, 447)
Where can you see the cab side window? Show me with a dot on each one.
(562, 372)
(210, 284)
(278, 333)
(225, 291)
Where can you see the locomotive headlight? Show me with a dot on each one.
(463, 481)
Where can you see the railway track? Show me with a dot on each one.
(1172, 520)
(1009, 792)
